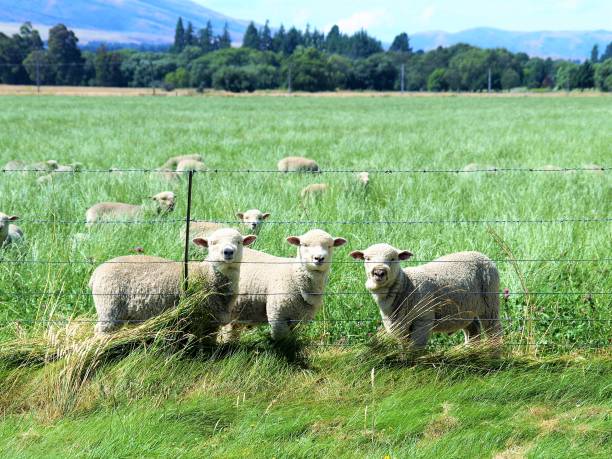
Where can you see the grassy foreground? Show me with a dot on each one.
(343, 403)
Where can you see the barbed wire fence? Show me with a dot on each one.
(188, 220)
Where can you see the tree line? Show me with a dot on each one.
(305, 60)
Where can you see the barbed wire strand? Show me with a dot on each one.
(291, 262)
(324, 171)
(339, 293)
(332, 222)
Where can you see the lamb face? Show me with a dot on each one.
(165, 201)
(225, 248)
(382, 264)
(5, 221)
(315, 249)
(252, 218)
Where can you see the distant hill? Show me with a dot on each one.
(121, 21)
(152, 22)
(567, 45)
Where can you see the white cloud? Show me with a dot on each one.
(427, 13)
(360, 20)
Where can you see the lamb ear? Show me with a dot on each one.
(404, 255)
(293, 240)
(200, 241)
(239, 215)
(339, 241)
(265, 216)
(357, 255)
(13, 218)
(248, 240)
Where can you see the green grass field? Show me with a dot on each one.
(253, 402)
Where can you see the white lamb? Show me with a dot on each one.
(283, 291)
(297, 164)
(187, 165)
(172, 162)
(9, 233)
(455, 292)
(164, 202)
(137, 287)
(251, 220)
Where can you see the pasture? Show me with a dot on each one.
(548, 231)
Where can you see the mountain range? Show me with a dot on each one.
(152, 22)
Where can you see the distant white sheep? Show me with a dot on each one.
(9, 233)
(164, 202)
(363, 178)
(251, 220)
(297, 164)
(454, 292)
(314, 190)
(283, 292)
(187, 165)
(138, 287)
(172, 162)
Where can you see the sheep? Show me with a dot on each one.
(62, 170)
(455, 292)
(283, 291)
(14, 165)
(135, 288)
(9, 233)
(187, 165)
(313, 190)
(165, 202)
(363, 178)
(251, 220)
(298, 164)
(172, 163)
(44, 166)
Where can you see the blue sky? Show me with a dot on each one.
(386, 18)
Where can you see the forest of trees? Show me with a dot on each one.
(304, 60)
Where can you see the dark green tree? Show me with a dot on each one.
(401, 44)
(190, 37)
(251, 37)
(265, 42)
(607, 54)
(65, 55)
(595, 54)
(107, 67)
(334, 41)
(318, 40)
(362, 45)
(293, 40)
(225, 40)
(206, 39)
(585, 77)
(309, 70)
(38, 65)
(278, 41)
(603, 76)
(510, 79)
(179, 37)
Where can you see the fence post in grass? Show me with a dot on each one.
(403, 78)
(187, 221)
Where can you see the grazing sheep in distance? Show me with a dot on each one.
(173, 162)
(283, 291)
(186, 165)
(14, 165)
(137, 287)
(314, 189)
(478, 167)
(298, 164)
(251, 220)
(60, 171)
(364, 178)
(455, 292)
(9, 233)
(164, 202)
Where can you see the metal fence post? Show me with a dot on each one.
(187, 222)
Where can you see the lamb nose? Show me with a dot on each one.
(319, 258)
(228, 252)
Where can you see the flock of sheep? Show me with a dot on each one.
(250, 287)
